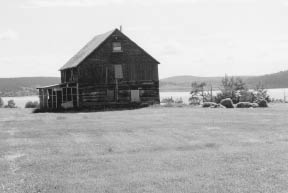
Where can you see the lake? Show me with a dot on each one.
(274, 93)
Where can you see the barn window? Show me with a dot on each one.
(118, 71)
(117, 47)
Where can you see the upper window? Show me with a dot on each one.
(117, 47)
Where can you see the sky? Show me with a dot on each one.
(188, 37)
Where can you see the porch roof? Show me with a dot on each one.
(50, 86)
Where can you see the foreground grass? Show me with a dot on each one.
(146, 150)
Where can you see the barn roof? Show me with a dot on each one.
(86, 50)
(89, 48)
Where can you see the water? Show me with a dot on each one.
(21, 101)
(274, 93)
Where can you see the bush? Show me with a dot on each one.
(220, 96)
(246, 105)
(167, 100)
(11, 104)
(255, 105)
(31, 104)
(262, 103)
(212, 105)
(179, 101)
(246, 96)
(1, 102)
(260, 93)
(228, 103)
(195, 100)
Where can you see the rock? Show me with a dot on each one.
(262, 103)
(228, 103)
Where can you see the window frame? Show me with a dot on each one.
(117, 47)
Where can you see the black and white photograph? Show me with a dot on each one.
(143, 96)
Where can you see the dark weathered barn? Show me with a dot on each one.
(110, 70)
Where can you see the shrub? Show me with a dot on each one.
(228, 103)
(231, 88)
(255, 105)
(1, 102)
(262, 103)
(260, 93)
(11, 104)
(31, 104)
(246, 105)
(222, 95)
(212, 105)
(195, 100)
(179, 101)
(246, 96)
(167, 100)
(198, 93)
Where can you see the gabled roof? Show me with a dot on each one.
(90, 47)
(86, 50)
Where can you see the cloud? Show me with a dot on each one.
(92, 3)
(9, 35)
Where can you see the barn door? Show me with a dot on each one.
(135, 96)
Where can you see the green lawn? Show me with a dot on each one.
(145, 150)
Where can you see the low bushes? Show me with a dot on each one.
(11, 104)
(212, 105)
(246, 105)
(228, 103)
(31, 104)
(167, 100)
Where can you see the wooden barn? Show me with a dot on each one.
(110, 70)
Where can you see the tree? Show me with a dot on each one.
(239, 84)
(198, 93)
(260, 93)
(231, 88)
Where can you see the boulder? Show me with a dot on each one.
(228, 103)
(262, 103)
(246, 105)
(212, 105)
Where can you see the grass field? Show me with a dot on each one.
(155, 150)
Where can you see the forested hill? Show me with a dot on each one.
(24, 86)
(183, 83)
(27, 86)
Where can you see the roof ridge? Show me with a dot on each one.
(85, 51)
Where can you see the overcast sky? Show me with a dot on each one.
(188, 37)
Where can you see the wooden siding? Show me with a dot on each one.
(136, 64)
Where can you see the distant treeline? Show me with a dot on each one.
(24, 86)
(183, 83)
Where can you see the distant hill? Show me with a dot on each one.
(24, 86)
(276, 80)
(183, 83)
(27, 85)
